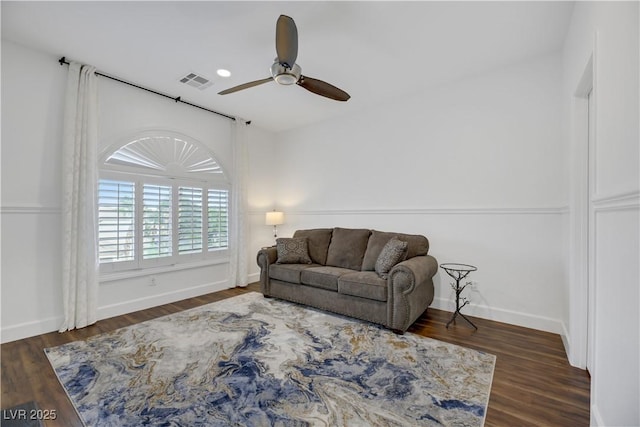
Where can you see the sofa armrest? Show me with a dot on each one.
(410, 290)
(265, 258)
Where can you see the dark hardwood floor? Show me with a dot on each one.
(533, 384)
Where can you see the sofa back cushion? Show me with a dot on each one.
(318, 240)
(417, 245)
(347, 247)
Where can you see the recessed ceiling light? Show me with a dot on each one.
(223, 73)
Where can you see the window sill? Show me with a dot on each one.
(141, 272)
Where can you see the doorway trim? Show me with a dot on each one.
(582, 235)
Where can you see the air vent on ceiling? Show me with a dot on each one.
(197, 81)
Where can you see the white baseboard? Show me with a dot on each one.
(567, 345)
(596, 419)
(574, 357)
(52, 324)
(505, 316)
(30, 329)
(118, 309)
(44, 326)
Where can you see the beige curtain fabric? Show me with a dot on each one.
(79, 231)
(238, 267)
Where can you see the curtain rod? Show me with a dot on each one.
(63, 61)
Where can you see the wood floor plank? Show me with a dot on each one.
(533, 383)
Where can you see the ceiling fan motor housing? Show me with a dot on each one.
(284, 75)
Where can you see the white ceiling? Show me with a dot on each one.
(376, 51)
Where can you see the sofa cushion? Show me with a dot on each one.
(292, 250)
(393, 252)
(318, 240)
(323, 277)
(418, 245)
(288, 272)
(347, 247)
(364, 284)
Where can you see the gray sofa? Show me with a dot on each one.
(347, 271)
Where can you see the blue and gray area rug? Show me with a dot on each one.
(251, 361)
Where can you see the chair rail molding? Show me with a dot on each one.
(620, 201)
(545, 210)
(30, 209)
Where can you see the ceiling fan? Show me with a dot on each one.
(285, 71)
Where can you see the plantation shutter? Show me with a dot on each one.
(218, 219)
(164, 201)
(116, 224)
(189, 220)
(156, 221)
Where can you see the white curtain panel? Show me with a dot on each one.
(79, 165)
(238, 267)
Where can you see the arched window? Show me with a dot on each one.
(163, 199)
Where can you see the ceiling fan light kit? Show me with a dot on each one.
(285, 71)
(285, 76)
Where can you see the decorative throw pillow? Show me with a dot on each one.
(393, 252)
(294, 250)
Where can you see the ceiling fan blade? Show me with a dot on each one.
(286, 41)
(323, 88)
(245, 86)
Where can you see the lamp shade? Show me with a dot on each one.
(274, 218)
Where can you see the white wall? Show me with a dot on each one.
(261, 195)
(608, 32)
(476, 166)
(32, 103)
(33, 87)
